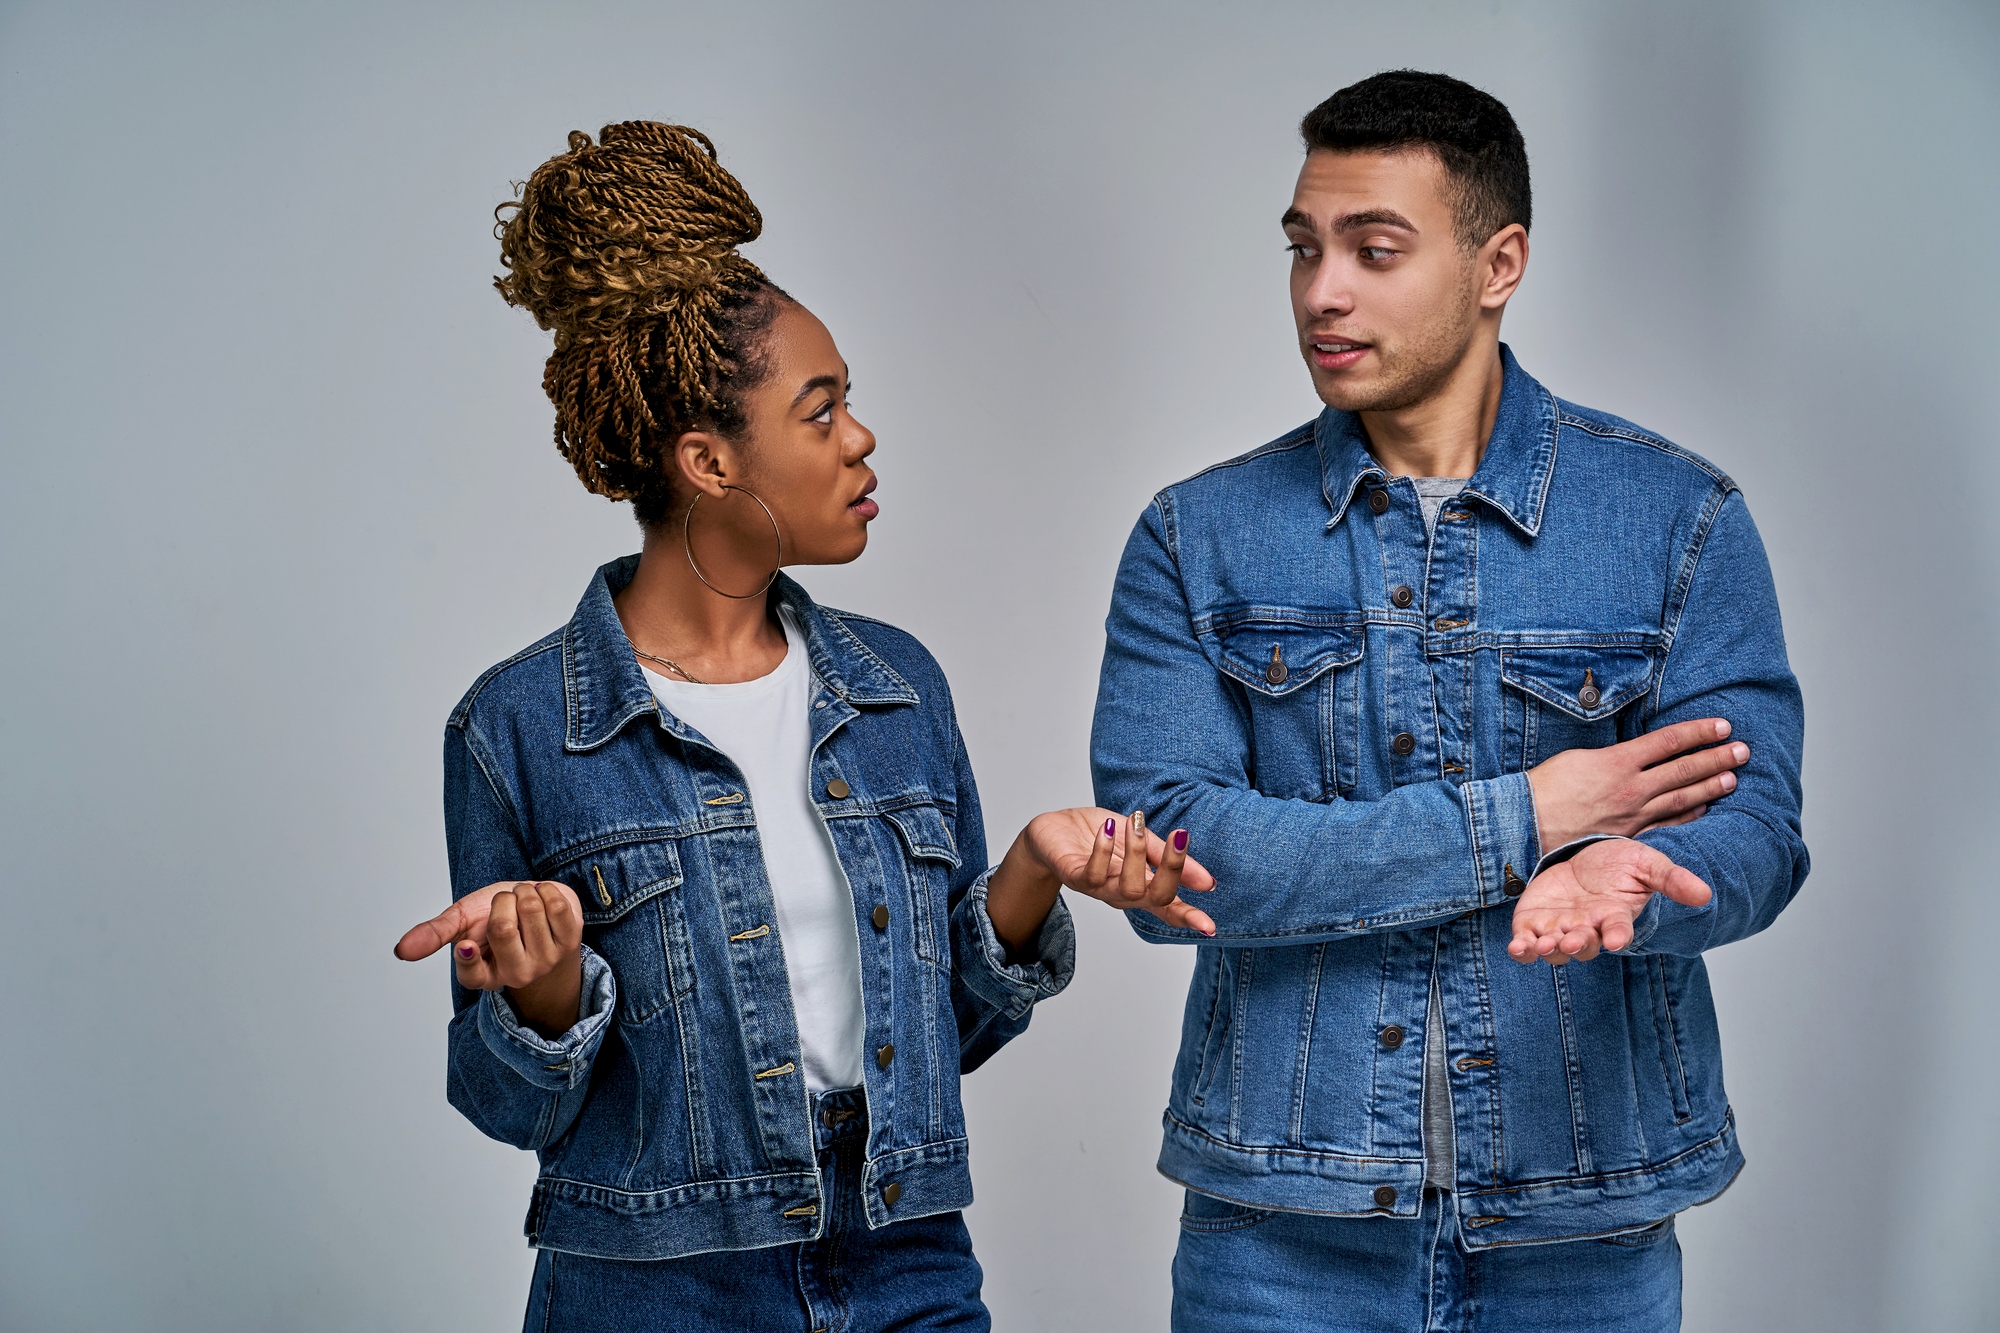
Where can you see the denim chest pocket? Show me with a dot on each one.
(634, 915)
(930, 857)
(1568, 696)
(1299, 672)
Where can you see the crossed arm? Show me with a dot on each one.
(1671, 876)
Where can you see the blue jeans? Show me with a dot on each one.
(918, 1274)
(1240, 1269)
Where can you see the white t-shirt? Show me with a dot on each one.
(765, 728)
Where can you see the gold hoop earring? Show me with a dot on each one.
(688, 546)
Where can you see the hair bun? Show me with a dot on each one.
(623, 229)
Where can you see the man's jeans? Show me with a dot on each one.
(911, 1275)
(1240, 1269)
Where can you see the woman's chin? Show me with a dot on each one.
(844, 549)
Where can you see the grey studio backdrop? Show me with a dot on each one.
(278, 484)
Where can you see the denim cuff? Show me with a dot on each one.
(563, 1063)
(982, 958)
(1501, 812)
(1571, 848)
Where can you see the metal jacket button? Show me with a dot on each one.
(1277, 671)
(1378, 500)
(1404, 743)
(885, 1055)
(1588, 695)
(1385, 1196)
(1392, 1036)
(1510, 883)
(892, 1192)
(881, 918)
(1401, 595)
(838, 790)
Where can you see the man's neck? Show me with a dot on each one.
(1444, 435)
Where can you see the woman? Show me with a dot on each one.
(724, 930)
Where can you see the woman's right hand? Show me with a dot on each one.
(1663, 777)
(524, 937)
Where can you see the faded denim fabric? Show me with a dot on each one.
(1354, 704)
(1254, 1270)
(913, 1275)
(673, 1118)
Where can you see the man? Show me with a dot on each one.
(1452, 664)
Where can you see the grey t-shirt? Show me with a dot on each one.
(1440, 1145)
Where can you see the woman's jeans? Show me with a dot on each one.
(1240, 1269)
(918, 1274)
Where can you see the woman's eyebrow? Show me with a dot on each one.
(816, 382)
(842, 382)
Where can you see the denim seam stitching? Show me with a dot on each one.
(1635, 1173)
(1641, 437)
(1572, 1071)
(463, 710)
(1285, 1150)
(1301, 1080)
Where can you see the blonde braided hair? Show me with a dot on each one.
(627, 250)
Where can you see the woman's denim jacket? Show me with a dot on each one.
(1357, 703)
(674, 1117)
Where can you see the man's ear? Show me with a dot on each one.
(1503, 261)
(705, 461)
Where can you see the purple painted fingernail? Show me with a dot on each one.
(1180, 840)
(1110, 828)
(467, 950)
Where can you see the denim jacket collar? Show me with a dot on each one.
(605, 688)
(1513, 475)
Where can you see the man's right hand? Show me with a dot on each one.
(1663, 777)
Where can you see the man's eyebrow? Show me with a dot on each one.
(1372, 217)
(1294, 218)
(833, 382)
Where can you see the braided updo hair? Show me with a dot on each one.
(627, 250)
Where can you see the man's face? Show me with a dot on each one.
(1385, 299)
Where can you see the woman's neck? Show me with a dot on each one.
(667, 611)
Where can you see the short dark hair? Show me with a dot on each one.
(1471, 134)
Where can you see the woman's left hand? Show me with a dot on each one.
(1116, 861)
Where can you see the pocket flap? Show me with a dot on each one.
(925, 833)
(1277, 652)
(1586, 681)
(612, 881)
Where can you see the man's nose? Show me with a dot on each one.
(1329, 292)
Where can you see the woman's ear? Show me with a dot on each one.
(706, 461)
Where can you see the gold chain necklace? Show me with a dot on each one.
(672, 666)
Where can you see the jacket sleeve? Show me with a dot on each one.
(1727, 659)
(993, 998)
(516, 1085)
(1171, 738)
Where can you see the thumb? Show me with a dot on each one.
(1686, 887)
(425, 939)
(1664, 877)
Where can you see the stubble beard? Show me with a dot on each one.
(1411, 373)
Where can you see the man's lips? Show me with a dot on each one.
(1334, 353)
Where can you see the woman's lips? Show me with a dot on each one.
(866, 507)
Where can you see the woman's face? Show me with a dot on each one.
(803, 454)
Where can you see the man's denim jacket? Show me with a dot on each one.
(674, 1117)
(1354, 704)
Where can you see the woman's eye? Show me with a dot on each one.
(824, 416)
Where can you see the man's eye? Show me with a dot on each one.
(1376, 254)
(1300, 250)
